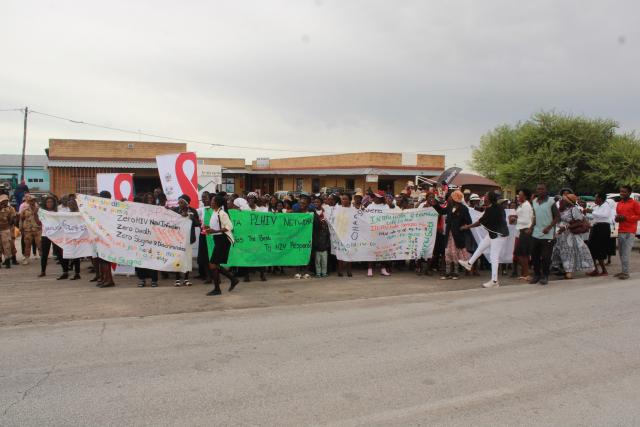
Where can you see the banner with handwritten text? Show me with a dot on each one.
(69, 231)
(137, 234)
(357, 235)
(267, 239)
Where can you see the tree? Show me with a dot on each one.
(561, 150)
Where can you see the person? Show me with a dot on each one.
(523, 220)
(570, 252)
(157, 193)
(545, 218)
(475, 202)
(494, 220)
(467, 196)
(221, 227)
(7, 220)
(377, 205)
(67, 263)
(147, 273)
(20, 191)
(600, 234)
(345, 203)
(104, 274)
(183, 208)
(30, 227)
(203, 255)
(50, 204)
(627, 215)
(321, 241)
(456, 236)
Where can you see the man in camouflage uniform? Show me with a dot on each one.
(30, 227)
(7, 218)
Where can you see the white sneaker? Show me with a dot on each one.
(491, 284)
(298, 276)
(25, 261)
(384, 272)
(466, 265)
(306, 276)
(370, 272)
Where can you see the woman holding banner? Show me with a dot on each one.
(50, 204)
(494, 220)
(220, 227)
(146, 273)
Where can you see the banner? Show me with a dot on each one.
(479, 233)
(69, 231)
(209, 178)
(138, 235)
(120, 185)
(269, 239)
(179, 175)
(357, 235)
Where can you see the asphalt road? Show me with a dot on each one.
(567, 354)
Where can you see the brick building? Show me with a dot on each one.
(73, 165)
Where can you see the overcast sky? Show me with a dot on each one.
(314, 75)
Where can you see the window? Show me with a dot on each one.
(315, 185)
(299, 184)
(86, 184)
(280, 184)
(228, 184)
(350, 184)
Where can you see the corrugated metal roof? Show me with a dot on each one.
(30, 160)
(340, 171)
(123, 164)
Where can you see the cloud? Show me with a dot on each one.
(313, 75)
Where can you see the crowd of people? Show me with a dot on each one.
(554, 235)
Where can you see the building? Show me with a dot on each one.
(73, 165)
(36, 175)
(386, 171)
(476, 183)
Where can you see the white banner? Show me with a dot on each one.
(69, 231)
(179, 175)
(119, 185)
(209, 178)
(138, 235)
(479, 233)
(357, 235)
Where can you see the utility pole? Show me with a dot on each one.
(24, 142)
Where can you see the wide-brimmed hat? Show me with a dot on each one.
(474, 197)
(571, 198)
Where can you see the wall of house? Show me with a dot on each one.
(107, 150)
(369, 159)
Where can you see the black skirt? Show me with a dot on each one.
(221, 247)
(600, 240)
(523, 247)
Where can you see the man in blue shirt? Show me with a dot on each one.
(545, 218)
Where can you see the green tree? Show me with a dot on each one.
(561, 150)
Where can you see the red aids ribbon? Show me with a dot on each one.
(188, 185)
(120, 184)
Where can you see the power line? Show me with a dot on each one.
(12, 109)
(212, 144)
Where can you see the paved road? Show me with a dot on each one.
(568, 354)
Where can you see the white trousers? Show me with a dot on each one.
(495, 245)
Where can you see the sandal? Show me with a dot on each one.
(177, 283)
(186, 283)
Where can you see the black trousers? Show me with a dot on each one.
(46, 245)
(73, 263)
(541, 250)
(203, 257)
(145, 273)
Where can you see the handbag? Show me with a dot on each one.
(579, 226)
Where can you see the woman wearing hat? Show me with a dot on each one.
(221, 228)
(456, 237)
(570, 251)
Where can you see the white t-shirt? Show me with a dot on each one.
(603, 213)
(525, 216)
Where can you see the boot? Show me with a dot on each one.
(14, 261)
(234, 280)
(216, 283)
(7, 263)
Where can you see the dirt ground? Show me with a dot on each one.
(27, 299)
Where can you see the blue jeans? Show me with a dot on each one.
(625, 243)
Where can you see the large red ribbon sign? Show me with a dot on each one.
(123, 187)
(186, 164)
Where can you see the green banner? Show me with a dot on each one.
(270, 239)
(207, 221)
